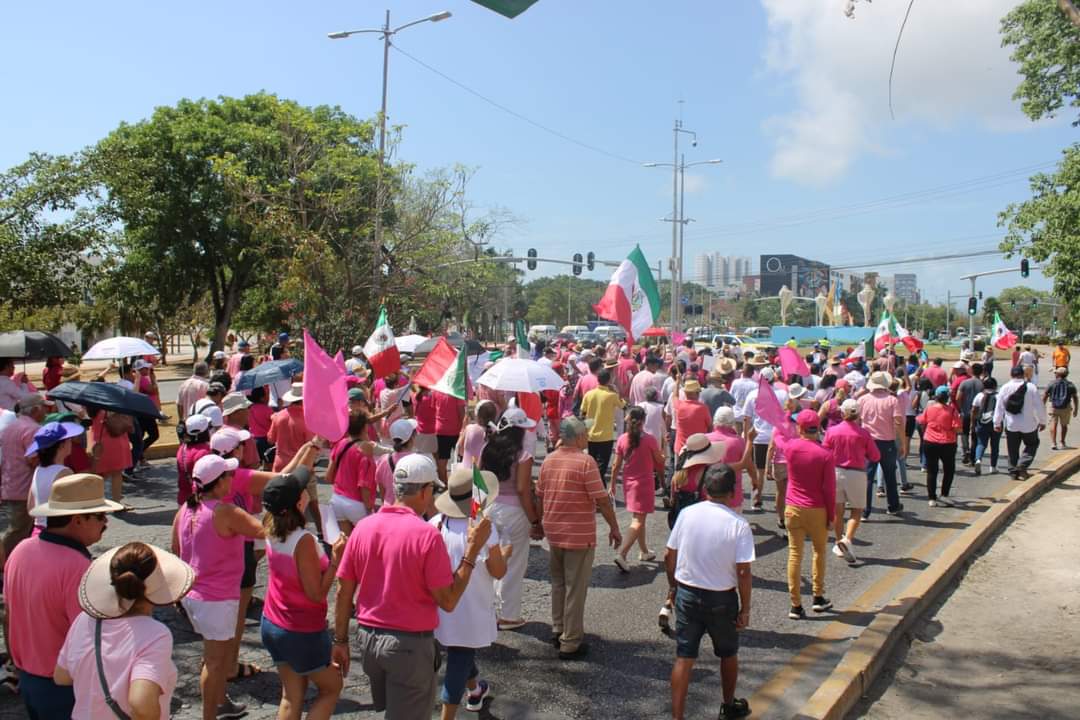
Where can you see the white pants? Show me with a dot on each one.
(348, 509)
(513, 527)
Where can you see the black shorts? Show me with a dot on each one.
(761, 450)
(447, 443)
(250, 566)
(700, 611)
(909, 426)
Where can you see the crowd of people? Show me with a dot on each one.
(434, 508)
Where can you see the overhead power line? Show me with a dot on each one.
(515, 113)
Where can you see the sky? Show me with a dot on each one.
(792, 95)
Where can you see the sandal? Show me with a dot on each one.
(245, 670)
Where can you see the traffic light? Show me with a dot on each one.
(1025, 268)
(973, 305)
(1013, 304)
(590, 261)
(1034, 303)
(531, 263)
(699, 310)
(980, 294)
(577, 263)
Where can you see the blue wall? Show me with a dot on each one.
(842, 335)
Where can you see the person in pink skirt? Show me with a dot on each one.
(110, 450)
(638, 456)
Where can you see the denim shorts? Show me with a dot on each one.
(700, 611)
(460, 668)
(303, 652)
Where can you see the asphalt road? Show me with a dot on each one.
(626, 675)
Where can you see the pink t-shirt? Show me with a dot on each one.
(424, 413)
(286, 604)
(16, 472)
(637, 465)
(132, 648)
(448, 414)
(41, 587)
(811, 475)
(585, 384)
(384, 475)
(879, 412)
(473, 446)
(240, 494)
(396, 559)
(851, 446)
(186, 457)
(259, 416)
(218, 561)
(355, 470)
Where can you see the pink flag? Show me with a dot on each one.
(678, 337)
(792, 363)
(326, 399)
(339, 360)
(767, 407)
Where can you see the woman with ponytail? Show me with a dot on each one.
(638, 456)
(208, 532)
(133, 657)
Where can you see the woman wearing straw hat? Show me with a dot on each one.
(52, 444)
(208, 532)
(293, 628)
(116, 655)
(472, 624)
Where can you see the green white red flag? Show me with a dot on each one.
(479, 492)
(1001, 337)
(632, 298)
(380, 350)
(445, 371)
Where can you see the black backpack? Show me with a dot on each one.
(1059, 394)
(1014, 405)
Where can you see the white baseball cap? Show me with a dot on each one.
(768, 373)
(516, 417)
(402, 429)
(219, 355)
(850, 407)
(357, 349)
(209, 468)
(228, 439)
(196, 424)
(416, 470)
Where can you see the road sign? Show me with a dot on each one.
(685, 299)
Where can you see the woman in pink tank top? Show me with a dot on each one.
(208, 533)
(294, 629)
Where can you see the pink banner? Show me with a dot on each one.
(678, 337)
(792, 363)
(767, 407)
(339, 360)
(326, 399)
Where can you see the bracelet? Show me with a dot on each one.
(341, 641)
(467, 561)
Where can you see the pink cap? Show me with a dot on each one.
(808, 420)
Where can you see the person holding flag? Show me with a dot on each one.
(472, 624)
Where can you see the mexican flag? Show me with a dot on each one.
(912, 343)
(862, 351)
(445, 371)
(479, 492)
(631, 299)
(380, 350)
(521, 338)
(1001, 337)
(886, 333)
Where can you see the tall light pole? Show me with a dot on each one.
(386, 32)
(678, 220)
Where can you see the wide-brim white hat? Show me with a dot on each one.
(169, 581)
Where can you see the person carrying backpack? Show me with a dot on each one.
(1063, 405)
(1023, 417)
(982, 417)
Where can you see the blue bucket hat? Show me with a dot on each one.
(53, 433)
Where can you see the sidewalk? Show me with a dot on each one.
(1003, 643)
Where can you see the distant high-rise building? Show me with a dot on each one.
(703, 270)
(719, 272)
(905, 287)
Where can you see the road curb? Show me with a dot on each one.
(161, 451)
(866, 657)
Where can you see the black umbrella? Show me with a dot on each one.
(107, 395)
(32, 345)
(472, 347)
(268, 373)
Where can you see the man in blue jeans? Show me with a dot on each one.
(708, 561)
(882, 415)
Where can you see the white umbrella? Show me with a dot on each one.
(409, 343)
(120, 347)
(520, 375)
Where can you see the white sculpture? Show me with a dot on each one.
(821, 301)
(889, 301)
(785, 296)
(866, 299)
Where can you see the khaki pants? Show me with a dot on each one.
(19, 524)
(800, 522)
(571, 571)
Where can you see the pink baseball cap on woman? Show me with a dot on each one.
(808, 420)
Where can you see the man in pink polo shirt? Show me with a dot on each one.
(41, 586)
(396, 571)
(589, 381)
(449, 417)
(883, 417)
(853, 449)
(16, 470)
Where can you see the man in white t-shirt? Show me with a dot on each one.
(708, 561)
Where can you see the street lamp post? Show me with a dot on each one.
(678, 219)
(386, 32)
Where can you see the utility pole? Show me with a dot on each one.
(676, 258)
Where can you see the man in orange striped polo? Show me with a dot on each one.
(570, 493)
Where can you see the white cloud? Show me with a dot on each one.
(694, 183)
(950, 69)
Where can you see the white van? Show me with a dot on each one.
(542, 332)
(759, 332)
(575, 330)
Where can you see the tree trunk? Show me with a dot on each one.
(222, 318)
(1070, 11)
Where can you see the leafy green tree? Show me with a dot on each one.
(547, 299)
(1046, 45)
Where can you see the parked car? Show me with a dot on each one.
(609, 332)
(575, 330)
(759, 332)
(588, 339)
(542, 332)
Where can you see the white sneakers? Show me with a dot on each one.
(842, 549)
